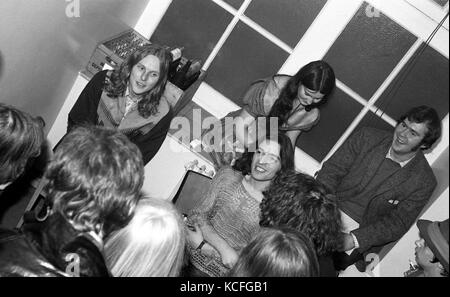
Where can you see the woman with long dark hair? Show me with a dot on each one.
(293, 100)
(130, 99)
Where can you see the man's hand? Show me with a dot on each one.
(346, 242)
(194, 236)
(229, 257)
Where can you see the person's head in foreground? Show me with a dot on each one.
(432, 247)
(277, 252)
(152, 244)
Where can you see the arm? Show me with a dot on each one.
(293, 134)
(227, 253)
(260, 93)
(206, 209)
(84, 110)
(244, 120)
(396, 223)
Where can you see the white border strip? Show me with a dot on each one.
(430, 9)
(213, 101)
(266, 34)
(326, 28)
(414, 21)
(442, 145)
(151, 16)
(227, 31)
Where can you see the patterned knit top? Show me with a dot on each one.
(230, 209)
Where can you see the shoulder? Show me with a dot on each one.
(372, 135)
(100, 77)
(228, 174)
(281, 80)
(423, 170)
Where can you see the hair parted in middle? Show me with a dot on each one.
(95, 179)
(151, 245)
(317, 76)
(298, 201)
(244, 164)
(118, 82)
(277, 252)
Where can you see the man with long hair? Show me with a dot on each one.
(228, 216)
(94, 182)
(130, 99)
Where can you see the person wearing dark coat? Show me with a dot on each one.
(382, 181)
(94, 181)
(131, 99)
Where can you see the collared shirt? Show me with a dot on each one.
(131, 103)
(402, 164)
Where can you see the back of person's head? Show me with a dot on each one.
(298, 201)
(152, 244)
(244, 164)
(429, 116)
(95, 178)
(277, 252)
(21, 140)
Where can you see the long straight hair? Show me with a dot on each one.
(317, 76)
(152, 244)
(118, 82)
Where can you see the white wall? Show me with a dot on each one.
(42, 49)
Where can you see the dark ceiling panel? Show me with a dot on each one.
(368, 50)
(245, 57)
(335, 117)
(286, 19)
(195, 25)
(423, 81)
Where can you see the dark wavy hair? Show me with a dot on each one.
(298, 201)
(277, 252)
(317, 76)
(429, 116)
(95, 179)
(244, 163)
(118, 82)
(21, 141)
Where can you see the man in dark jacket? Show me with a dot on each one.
(94, 182)
(382, 182)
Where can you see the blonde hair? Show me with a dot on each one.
(152, 244)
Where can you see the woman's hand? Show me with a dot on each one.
(194, 236)
(229, 257)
